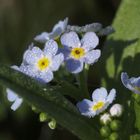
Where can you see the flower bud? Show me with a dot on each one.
(105, 119)
(115, 125)
(114, 136)
(52, 124)
(43, 117)
(116, 110)
(105, 131)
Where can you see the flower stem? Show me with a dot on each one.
(83, 83)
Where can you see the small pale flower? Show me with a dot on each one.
(77, 52)
(58, 29)
(41, 64)
(100, 101)
(132, 84)
(105, 118)
(116, 110)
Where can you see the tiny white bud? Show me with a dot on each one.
(116, 110)
(105, 118)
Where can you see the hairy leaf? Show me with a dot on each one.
(52, 103)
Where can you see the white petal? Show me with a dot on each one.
(70, 39)
(99, 94)
(51, 47)
(111, 96)
(15, 67)
(16, 104)
(11, 95)
(90, 40)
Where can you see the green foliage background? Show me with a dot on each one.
(21, 20)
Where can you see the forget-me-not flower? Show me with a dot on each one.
(58, 29)
(132, 84)
(40, 64)
(100, 101)
(77, 52)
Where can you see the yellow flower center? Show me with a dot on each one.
(98, 106)
(43, 63)
(77, 53)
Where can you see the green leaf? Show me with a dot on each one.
(135, 137)
(122, 53)
(52, 103)
(68, 89)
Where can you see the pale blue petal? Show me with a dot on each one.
(16, 104)
(29, 70)
(66, 52)
(43, 37)
(51, 47)
(135, 81)
(11, 95)
(99, 94)
(55, 34)
(61, 25)
(84, 107)
(45, 77)
(15, 67)
(111, 96)
(125, 80)
(31, 56)
(131, 83)
(57, 61)
(70, 39)
(90, 40)
(92, 56)
(74, 66)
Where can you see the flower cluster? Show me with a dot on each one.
(74, 48)
(41, 63)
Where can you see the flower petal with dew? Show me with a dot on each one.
(100, 101)
(58, 29)
(40, 64)
(132, 84)
(78, 51)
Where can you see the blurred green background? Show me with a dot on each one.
(20, 22)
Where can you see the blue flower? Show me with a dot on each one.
(100, 101)
(41, 64)
(58, 29)
(78, 52)
(132, 84)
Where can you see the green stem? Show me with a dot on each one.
(83, 83)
